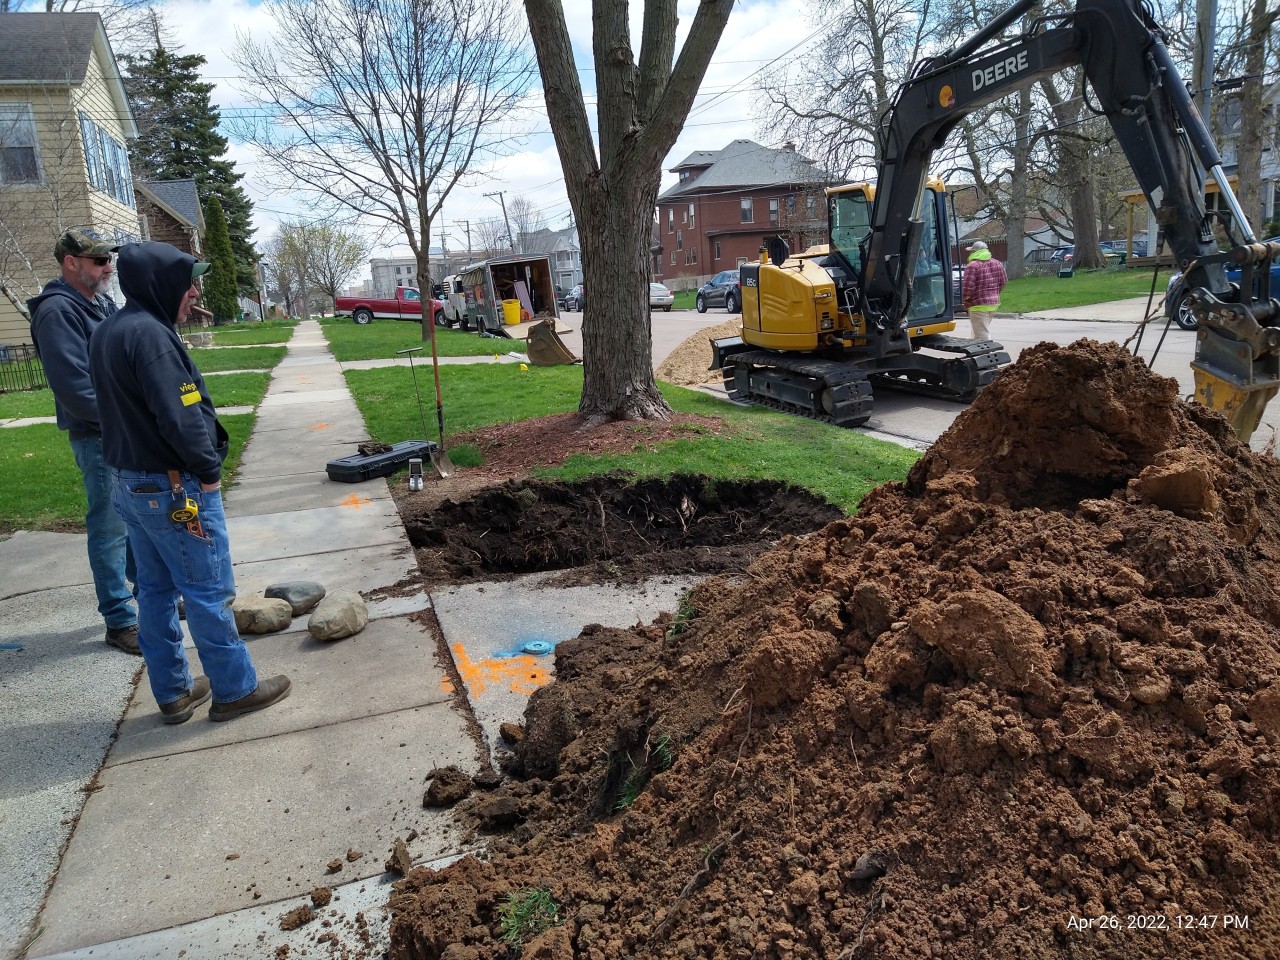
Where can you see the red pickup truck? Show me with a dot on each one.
(406, 305)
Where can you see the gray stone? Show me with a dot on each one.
(340, 615)
(302, 595)
(261, 615)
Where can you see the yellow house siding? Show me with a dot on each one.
(34, 214)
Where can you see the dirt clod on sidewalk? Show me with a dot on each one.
(1035, 685)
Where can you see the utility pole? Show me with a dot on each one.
(511, 240)
(466, 225)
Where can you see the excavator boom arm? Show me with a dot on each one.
(1138, 89)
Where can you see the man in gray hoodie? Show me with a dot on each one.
(63, 317)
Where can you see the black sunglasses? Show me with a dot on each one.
(100, 261)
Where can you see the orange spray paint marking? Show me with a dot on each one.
(319, 426)
(355, 501)
(521, 675)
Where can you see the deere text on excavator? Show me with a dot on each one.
(818, 332)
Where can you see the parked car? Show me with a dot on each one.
(1175, 298)
(405, 305)
(957, 287)
(660, 296)
(561, 293)
(574, 299)
(724, 289)
(1121, 247)
(1111, 250)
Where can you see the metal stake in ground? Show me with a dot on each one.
(439, 459)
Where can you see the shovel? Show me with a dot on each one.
(439, 459)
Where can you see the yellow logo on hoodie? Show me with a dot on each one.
(189, 393)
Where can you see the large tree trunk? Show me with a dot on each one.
(617, 332)
(1075, 171)
(1252, 118)
(1015, 220)
(642, 103)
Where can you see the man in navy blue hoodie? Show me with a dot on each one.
(162, 436)
(62, 318)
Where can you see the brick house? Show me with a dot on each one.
(728, 201)
(64, 122)
(169, 211)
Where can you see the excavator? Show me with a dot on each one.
(819, 331)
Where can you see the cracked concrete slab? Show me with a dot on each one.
(236, 819)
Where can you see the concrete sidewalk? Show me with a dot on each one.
(200, 837)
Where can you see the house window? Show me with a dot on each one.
(691, 216)
(673, 258)
(107, 162)
(717, 250)
(747, 215)
(808, 206)
(19, 162)
(791, 204)
(679, 239)
(671, 219)
(773, 212)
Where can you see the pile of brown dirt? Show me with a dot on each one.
(688, 363)
(1025, 704)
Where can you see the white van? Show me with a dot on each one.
(455, 305)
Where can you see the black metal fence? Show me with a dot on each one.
(20, 369)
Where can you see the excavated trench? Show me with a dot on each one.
(611, 527)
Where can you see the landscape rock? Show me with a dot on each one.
(261, 615)
(302, 595)
(339, 615)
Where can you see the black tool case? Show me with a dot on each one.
(361, 466)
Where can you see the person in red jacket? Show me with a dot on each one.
(984, 278)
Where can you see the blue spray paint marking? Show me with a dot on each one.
(10, 646)
(529, 646)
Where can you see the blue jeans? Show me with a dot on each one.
(194, 561)
(110, 559)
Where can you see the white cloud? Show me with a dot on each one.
(725, 109)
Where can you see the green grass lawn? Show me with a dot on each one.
(212, 360)
(270, 331)
(237, 389)
(26, 403)
(382, 338)
(1032, 294)
(41, 488)
(839, 465)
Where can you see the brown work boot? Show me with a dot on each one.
(181, 709)
(125, 638)
(268, 692)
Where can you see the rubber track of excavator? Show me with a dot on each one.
(848, 382)
(989, 357)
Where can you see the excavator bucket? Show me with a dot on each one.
(545, 348)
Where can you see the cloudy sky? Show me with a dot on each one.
(759, 33)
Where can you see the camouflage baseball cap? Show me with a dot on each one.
(83, 242)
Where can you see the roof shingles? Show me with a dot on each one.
(42, 48)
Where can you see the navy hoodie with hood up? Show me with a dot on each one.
(155, 412)
(62, 320)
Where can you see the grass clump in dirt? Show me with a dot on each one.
(525, 914)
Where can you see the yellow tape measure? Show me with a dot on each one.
(186, 512)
